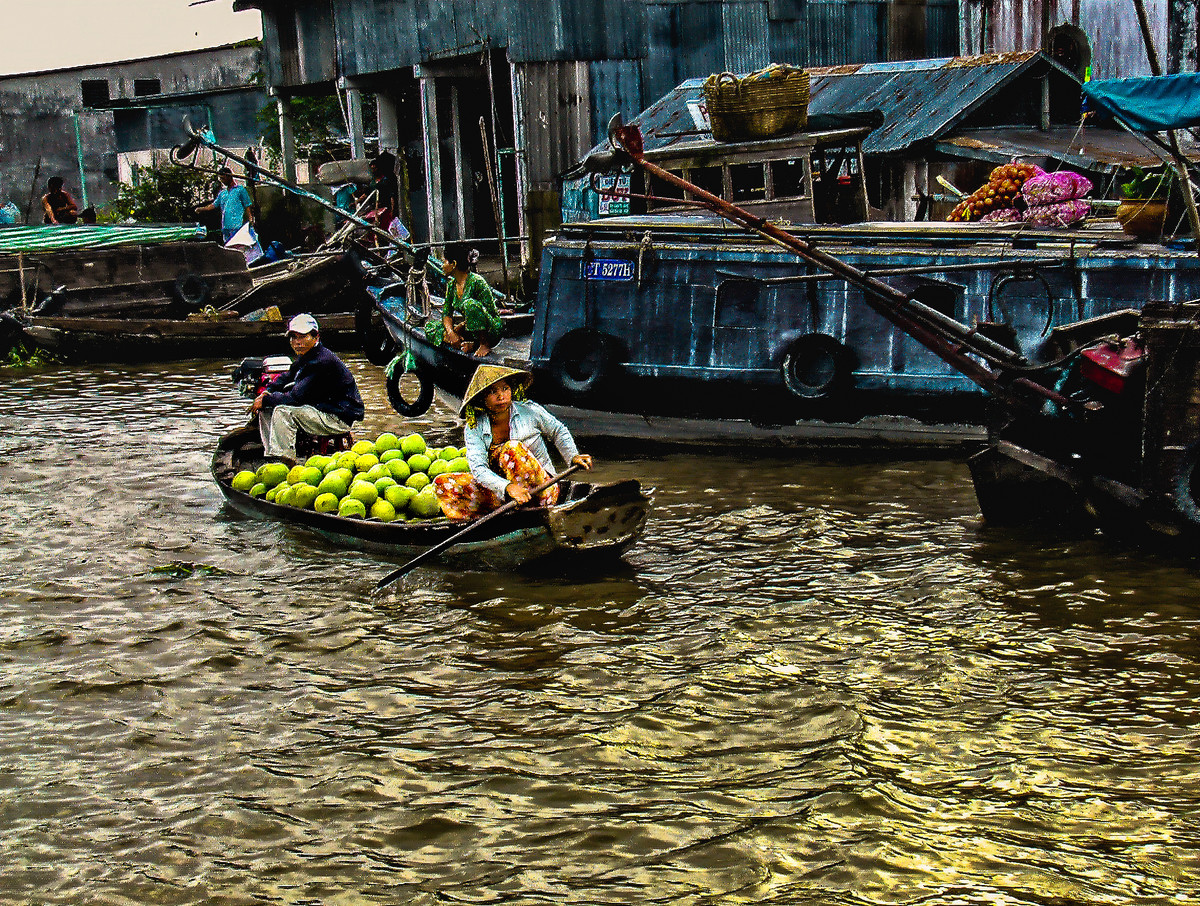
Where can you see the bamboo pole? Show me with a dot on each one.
(1181, 172)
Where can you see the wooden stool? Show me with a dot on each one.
(324, 444)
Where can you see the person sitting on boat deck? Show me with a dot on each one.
(57, 203)
(234, 203)
(470, 320)
(317, 394)
(505, 438)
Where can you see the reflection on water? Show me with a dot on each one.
(813, 681)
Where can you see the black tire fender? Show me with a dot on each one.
(417, 407)
(191, 290)
(816, 367)
(377, 343)
(1182, 487)
(583, 360)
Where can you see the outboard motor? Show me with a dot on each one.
(252, 375)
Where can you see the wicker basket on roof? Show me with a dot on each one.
(765, 104)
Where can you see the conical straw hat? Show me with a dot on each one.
(486, 375)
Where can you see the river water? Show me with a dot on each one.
(813, 681)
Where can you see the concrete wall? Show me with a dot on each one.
(46, 128)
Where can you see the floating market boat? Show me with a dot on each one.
(142, 340)
(593, 522)
(680, 326)
(145, 270)
(1106, 431)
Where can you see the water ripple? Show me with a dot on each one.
(813, 682)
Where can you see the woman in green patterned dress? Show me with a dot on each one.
(470, 321)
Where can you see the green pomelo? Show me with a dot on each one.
(310, 475)
(389, 455)
(419, 462)
(437, 467)
(330, 466)
(326, 503)
(284, 495)
(377, 471)
(399, 469)
(295, 474)
(258, 490)
(398, 496)
(425, 505)
(350, 508)
(417, 481)
(386, 441)
(382, 484)
(346, 475)
(363, 491)
(272, 473)
(383, 511)
(244, 481)
(335, 485)
(412, 443)
(317, 461)
(363, 446)
(460, 465)
(448, 453)
(271, 492)
(303, 495)
(365, 462)
(346, 460)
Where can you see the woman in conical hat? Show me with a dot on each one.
(506, 440)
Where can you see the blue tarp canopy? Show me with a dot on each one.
(1150, 104)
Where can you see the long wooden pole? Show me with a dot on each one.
(1181, 171)
(455, 538)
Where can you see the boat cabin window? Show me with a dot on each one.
(662, 189)
(710, 179)
(747, 182)
(94, 92)
(786, 178)
(737, 304)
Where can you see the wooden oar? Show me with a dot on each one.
(455, 538)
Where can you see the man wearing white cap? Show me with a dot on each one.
(317, 394)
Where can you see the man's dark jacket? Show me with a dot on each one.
(319, 379)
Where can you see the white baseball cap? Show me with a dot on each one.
(302, 324)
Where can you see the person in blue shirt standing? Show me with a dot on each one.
(317, 394)
(234, 203)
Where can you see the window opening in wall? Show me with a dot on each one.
(144, 87)
(95, 92)
(710, 179)
(787, 178)
(749, 182)
(664, 189)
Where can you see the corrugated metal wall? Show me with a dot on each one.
(746, 36)
(989, 26)
(558, 123)
(616, 87)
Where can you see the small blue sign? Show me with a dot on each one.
(608, 269)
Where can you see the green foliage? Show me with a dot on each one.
(166, 193)
(1146, 186)
(317, 126)
(22, 356)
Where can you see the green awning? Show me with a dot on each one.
(50, 237)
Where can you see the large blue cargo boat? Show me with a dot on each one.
(682, 328)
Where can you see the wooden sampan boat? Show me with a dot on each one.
(592, 522)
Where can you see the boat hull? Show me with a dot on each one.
(594, 523)
(136, 341)
(695, 334)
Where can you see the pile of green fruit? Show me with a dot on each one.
(388, 479)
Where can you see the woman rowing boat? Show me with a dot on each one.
(505, 438)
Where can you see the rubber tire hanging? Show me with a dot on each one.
(191, 290)
(583, 360)
(417, 407)
(816, 367)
